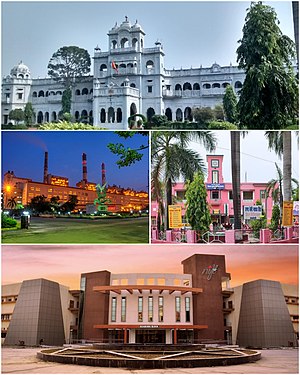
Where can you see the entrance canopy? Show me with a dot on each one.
(130, 288)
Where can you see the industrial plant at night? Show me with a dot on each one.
(25, 189)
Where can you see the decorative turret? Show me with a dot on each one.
(20, 71)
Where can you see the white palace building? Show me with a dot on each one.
(127, 79)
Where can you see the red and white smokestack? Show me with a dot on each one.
(46, 168)
(103, 174)
(84, 168)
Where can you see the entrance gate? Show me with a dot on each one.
(150, 336)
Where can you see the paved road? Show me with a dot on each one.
(24, 361)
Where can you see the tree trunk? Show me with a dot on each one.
(287, 166)
(168, 201)
(236, 178)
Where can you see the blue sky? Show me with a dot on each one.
(192, 33)
(23, 152)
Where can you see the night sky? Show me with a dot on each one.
(23, 153)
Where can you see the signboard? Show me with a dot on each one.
(296, 208)
(287, 214)
(252, 212)
(148, 326)
(175, 218)
(210, 271)
(215, 186)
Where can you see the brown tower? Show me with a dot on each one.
(46, 168)
(103, 174)
(208, 272)
(84, 168)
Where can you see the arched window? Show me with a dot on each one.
(178, 114)
(84, 116)
(102, 115)
(178, 87)
(188, 114)
(20, 76)
(142, 43)
(122, 66)
(225, 84)
(77, 92)
(133, 109)
(134, 42)
(91, 118)
(47, 94)
(34, 94)
(85, 91)
(52, 93)
(46, 116)
(216, 85)
(111, 115)
(187, 86)
(53, 116)
(132, 85)
(114, 44)
(149, 64)
(40, 117)
(119, 115)
(77, 115)
(103, 68)
(91, 91)
(129, 65)
(150, 113)
(168, 113)
(206, 86)
(58, 93)
(238, 85)
(41, 93)
(124, 43)
(196, 86)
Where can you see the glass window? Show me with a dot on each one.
(215, 163)
(187, 309)
(150, 309)
(262, 194)
(113, 309)
(215, 194)
(123, 309)
(230, 194)
(248, 195)
(149, 88)
(160, 309)
(177, 308)
(140, 309)
(215, 177)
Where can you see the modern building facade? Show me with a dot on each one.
(197, 306)
(128, 78)
(219, 196)
(24, 189)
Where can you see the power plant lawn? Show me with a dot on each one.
(51, 230)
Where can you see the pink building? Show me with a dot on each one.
(219, 196)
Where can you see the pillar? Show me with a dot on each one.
(175, 336)
(169, 236)
(265, 235)
(190, 236)
(154, 234)
(288, 233)
(229, 236)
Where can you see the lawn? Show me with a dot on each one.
(51, 230)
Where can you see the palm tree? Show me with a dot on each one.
(280, 142)
(171, 158)
(12, 203)
(235, 138)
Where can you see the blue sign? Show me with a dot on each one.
(215, 186)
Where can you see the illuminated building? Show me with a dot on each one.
(24, 189)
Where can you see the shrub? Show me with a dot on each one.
(8, 222)
(222, 125)
(258, 224)
(64, 125)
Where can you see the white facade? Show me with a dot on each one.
(140, 84)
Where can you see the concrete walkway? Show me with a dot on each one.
(24, 361)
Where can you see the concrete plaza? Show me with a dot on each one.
(21, 361)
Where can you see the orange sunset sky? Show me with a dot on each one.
(65, 263)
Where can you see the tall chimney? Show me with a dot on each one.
(84, 168)
(46, 168)
(103, 174)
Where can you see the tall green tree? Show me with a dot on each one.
(269, 96)
(29, 114)
(17, 115)
(12, 203)
(172, 158)
(197, 212)
(69, 65)
(230, 105)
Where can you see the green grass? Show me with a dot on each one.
(83, 231)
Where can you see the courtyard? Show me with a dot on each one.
(64, 230)
(24, 360)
